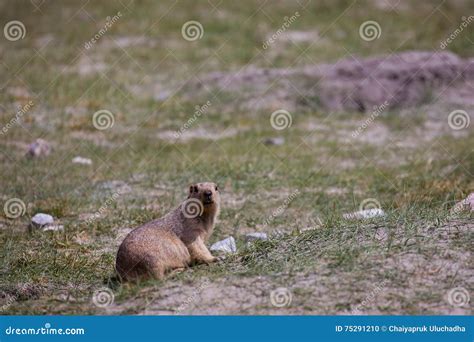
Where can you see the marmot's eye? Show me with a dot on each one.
(217, 188)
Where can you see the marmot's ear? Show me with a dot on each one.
(193, 188)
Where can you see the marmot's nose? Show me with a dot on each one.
(208, 193)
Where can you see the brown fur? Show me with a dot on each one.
(174, 241)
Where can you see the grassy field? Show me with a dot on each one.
(409, 162)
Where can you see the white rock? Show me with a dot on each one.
(364, 214)
(81, 160)
(255, 236)
(41, 220)
(274, 141)
(227, 246)
(53, 228)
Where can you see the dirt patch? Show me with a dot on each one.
(399, 80)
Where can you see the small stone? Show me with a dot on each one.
(53, 228)
(41, 220)
(226, 246)
(255, 236)
(39, 148)
(81, 160)
(274, 141)
(364, 214)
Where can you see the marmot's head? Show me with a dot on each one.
(208, 194)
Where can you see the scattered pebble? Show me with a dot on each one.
(81, 160)
(40, 220)
(39, 148)
(226, 246)
(364, 214)
(274, 141)
(45, 223)
(255, 236)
